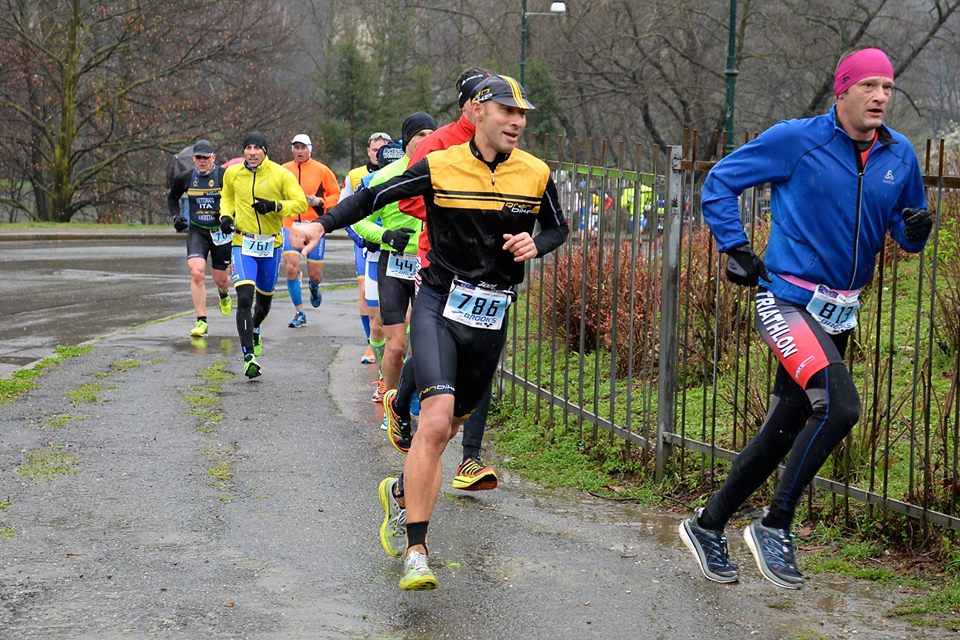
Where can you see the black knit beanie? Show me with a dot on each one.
(414, 124)
(257, 138)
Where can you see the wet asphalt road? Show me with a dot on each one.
(69, 291)
(262, 522)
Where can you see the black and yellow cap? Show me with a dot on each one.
(502, 89)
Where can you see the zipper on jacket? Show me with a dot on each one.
(253, 194)
(300, 182)
(861, 169)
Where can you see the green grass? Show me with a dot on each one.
(85, 393)
(62, 420)
(46, 464)
(561, 457)
(26, 379)
(7, 532)
(203, 398)
(938, 609)
(118, 366)
(338, 287)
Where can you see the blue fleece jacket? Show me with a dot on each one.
(829, 217)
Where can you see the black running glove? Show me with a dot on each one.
(371, 247)
(180, 225)
(397, 239)
(262, 206)
(744, 267)
(226, 224)
(917, 224)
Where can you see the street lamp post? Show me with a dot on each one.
(556, 9)
(731, 72)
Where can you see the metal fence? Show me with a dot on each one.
(631, 331)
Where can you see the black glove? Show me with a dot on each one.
(226, 224)
(397, 238)
(744, 267)
(917, 224)
(262, 206)
(180, 224)
(372, 247)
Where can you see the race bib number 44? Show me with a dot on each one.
(835, 311)
(476, 306)
(258, 246)
(401, 266)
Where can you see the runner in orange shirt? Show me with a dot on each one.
(322, 190)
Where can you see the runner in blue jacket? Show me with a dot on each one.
(839, 183)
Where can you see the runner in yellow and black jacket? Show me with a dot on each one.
(256, 196)
(483, 199)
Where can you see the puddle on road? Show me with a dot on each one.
(563, 504)
(205, 346)
(19, 361)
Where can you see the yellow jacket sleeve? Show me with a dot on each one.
(291, 194)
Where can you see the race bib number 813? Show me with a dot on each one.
(835, 311)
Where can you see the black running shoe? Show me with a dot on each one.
(709, 547)
(773, 550)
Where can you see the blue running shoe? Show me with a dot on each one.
(709, 548)
(315, 296)
(773, 550)
(415, 404)
(299, 320)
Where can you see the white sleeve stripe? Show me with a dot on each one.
(402, 183)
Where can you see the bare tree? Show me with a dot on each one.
(93, 87)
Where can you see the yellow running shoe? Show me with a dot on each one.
(257, 343)
(251, 368)
(200, 329)
(379, 391)
(226, 304)
(398, 429)
(473, 475)
(393, 529)
(416, 573)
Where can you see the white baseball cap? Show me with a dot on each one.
(302, 138)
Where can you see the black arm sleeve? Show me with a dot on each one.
(177, 189)
(553, 226)
(415, 181)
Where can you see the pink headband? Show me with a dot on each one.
(866, 63)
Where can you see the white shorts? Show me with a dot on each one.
(370, 283)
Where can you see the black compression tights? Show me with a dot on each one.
(472, 429)
(806, 424)
(248, 317)
(406, 387)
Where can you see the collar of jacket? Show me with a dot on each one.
(883, 134)
(254, 169)
(499, 158)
